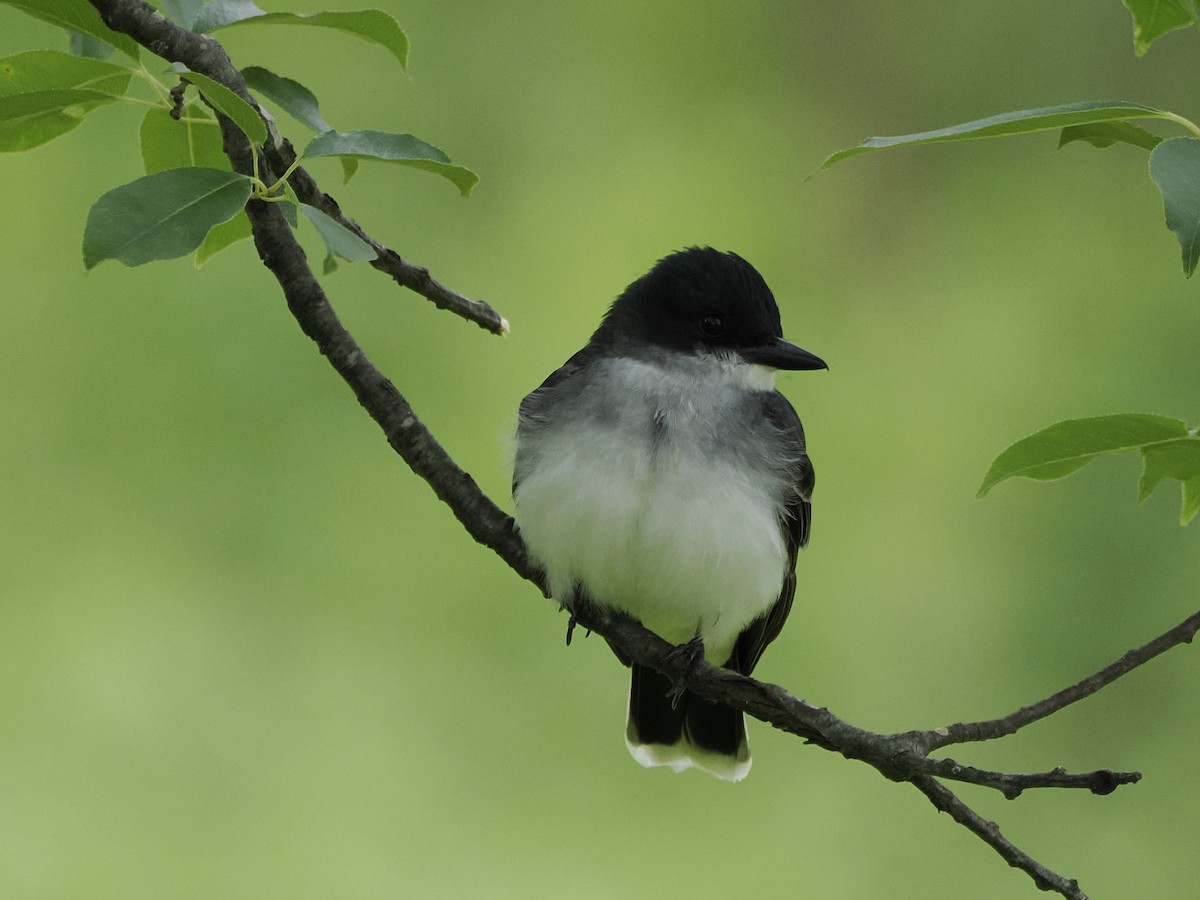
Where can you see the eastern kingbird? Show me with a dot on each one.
(660, 474)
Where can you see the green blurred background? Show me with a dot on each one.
(245, 653)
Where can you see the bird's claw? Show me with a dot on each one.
(686, 657)
(573, 608)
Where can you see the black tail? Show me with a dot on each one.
(689, 733)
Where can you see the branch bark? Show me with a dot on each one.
(899, 757)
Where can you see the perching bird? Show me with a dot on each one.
(660, 474)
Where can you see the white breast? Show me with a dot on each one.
(656, 521)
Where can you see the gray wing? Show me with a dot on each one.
(795, 522)
(532, 412)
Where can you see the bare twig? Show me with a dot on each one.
(415, 278)
(1005, 725)
(899, 757)
(947, 801)
(1100, 782)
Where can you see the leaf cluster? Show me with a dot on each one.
(190, 199)
(1168, 447)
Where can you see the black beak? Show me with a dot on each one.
(780, 354)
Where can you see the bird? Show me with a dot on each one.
(659, 474)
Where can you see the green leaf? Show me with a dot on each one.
(223, 236)
(79, 16)
(1154, 18)
(161, 216)
(1105, 134)
(371, 25)
(1191, 501)
(192, 140)
(1175, 168)
(45, 93)
(398, 148)
(1024, 121)
(236, 229)
(30, 120)
(1178, 459)
(349, 167)
(181, 12)
(242, 113)
(53, 70)
(82, 45)
(289, 212)
(1065, 447)
(291, 96)
(339, 239)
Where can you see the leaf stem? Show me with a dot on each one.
(160, 89)
(138, 102)
(1180, 120)
(282, 182)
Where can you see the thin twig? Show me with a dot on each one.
(1100, 782)
(947, 801)
(415, 278)
(1005, 725)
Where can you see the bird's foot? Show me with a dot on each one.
(686, 657)
(571, 623)
(578, 604)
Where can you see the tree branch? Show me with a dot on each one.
(284, 257)
(1100, 782)
(899, 757)
(945, 800)
(1006, 725)
(207, 56)
(415, 278)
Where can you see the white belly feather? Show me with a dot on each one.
(684, 542)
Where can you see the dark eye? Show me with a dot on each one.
(712, 325)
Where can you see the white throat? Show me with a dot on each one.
(745, 374)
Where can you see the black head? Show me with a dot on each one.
(702, 299)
